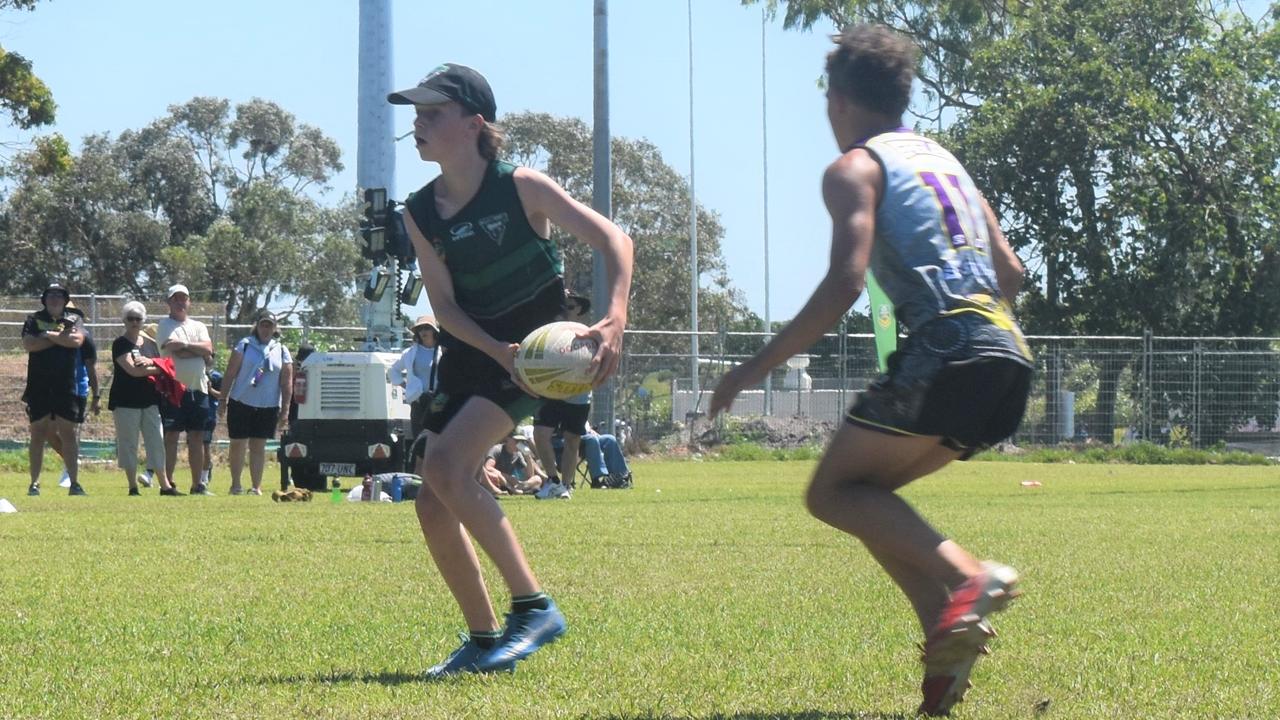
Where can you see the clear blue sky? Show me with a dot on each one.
(118, 65)
(114, 66)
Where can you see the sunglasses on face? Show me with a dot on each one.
(133, 318)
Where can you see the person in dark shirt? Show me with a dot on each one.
(52, 341)
(134, 402)
(481, 231)
(86, 383)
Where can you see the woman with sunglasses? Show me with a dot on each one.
(134, 403)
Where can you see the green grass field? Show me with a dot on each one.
(705, 592)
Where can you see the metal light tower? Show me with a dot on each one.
(375, 150)
(693, 238)
(764, 133)
(601, 193)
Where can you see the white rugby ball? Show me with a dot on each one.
(554, 363)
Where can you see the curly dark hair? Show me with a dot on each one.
(873, 66)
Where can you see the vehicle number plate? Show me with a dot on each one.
(337, 468)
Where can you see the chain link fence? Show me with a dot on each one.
(1197, 392)
(1182, 391)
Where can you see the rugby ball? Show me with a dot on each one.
(554, 363)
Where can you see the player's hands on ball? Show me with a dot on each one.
(607, 335)
(508, 360)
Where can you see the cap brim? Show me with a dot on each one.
(418, 96)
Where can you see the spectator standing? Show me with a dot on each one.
(566, 418)
(86, 381)
(52, 341)
(185, 340)
(414, 371)
(134, 402)
(257, 390)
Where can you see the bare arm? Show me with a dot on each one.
(1009, 271)
(36, 343)
(544, 201)
(72, 337)
(229, 377)
(286, 392)
(139, 369)
(851, 188)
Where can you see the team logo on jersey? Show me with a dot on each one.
(461, 231)
(885, 315)
(495, 226)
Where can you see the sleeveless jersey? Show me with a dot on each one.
(932, 251)
(505, 276)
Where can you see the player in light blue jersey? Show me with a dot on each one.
(902, 206)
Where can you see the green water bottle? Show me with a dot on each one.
(336, 495)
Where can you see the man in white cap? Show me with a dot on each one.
(187, 341)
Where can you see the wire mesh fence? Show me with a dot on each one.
(1181, 391)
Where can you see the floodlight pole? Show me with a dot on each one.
(693, 237)
(764, 134)
(375, 152)
(601, 195)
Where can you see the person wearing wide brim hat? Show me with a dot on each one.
(415, 370)
(52, 339)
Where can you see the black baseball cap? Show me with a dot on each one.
(55, 288)
(458, 83)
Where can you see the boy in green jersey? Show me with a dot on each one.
(482, 233)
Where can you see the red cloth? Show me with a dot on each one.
(167, 383)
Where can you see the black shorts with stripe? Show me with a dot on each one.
(971, 404)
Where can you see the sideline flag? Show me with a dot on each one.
(883, 320)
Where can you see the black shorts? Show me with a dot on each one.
(466, 373)
(246, 421)
(190, 417)
(43, 403)
(563, 416)
(971, 404)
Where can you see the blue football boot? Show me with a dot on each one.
(525, 633)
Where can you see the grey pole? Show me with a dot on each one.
(764, 134)
(693, 236)
(601, 194)
(375, 148)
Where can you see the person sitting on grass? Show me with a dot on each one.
(513, 468)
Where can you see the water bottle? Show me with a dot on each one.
(336, 495)
(366, 490)
(397, 489)
(257, 377)
(376, 494)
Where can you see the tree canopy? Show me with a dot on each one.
(650, 203)
(220, 198)
(1131, 150)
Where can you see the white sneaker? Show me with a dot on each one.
(65, 482)
(145, 479)
(553, 491)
